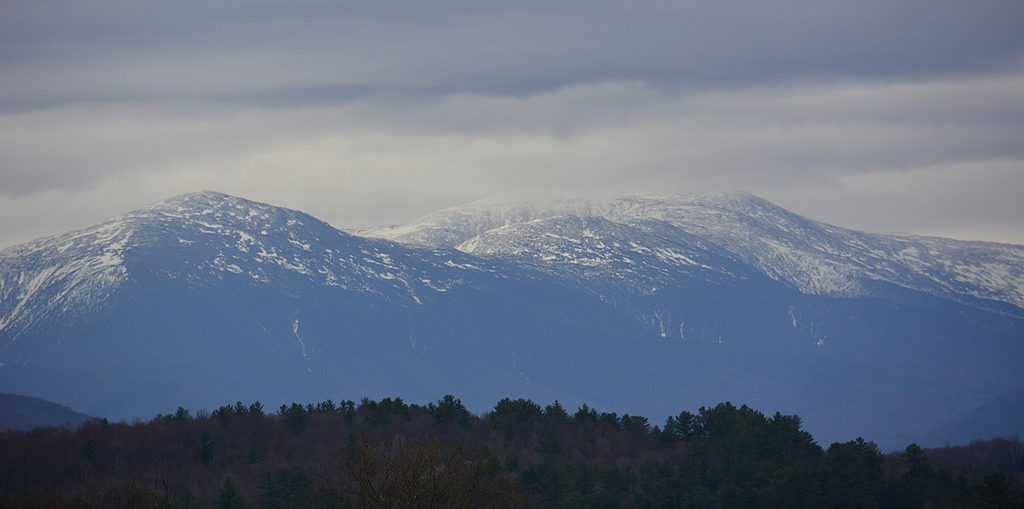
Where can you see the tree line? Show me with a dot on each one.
(391, 454)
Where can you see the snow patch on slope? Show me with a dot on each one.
(71, 272)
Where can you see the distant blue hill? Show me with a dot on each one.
(1001, 417)
(25, 413)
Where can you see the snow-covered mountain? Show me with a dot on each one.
(644, 304)
(814, 257)
(207, 237)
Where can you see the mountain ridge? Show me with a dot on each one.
(813, 256)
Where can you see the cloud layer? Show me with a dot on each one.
(886, 116)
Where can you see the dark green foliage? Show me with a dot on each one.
(585, 414)
(182, 415)
(555, 411)
(238, 412)
(389, 453)
(295, 417)
(682, 428)
(204, 451)
(347, 409)
(449, 409)
(634, 424)
(918, 484)
(608, 419)
(223, 414)
(286, 489)
(258, 452)
(88, 449)
(852, 474)
(228, 497)
(520, 410)
(994, 492)
(511, 416)
(379, 414)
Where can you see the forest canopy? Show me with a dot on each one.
(390, 454)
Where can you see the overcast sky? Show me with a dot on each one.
(895, 116)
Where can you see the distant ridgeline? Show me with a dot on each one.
(24, 413)
(391, 454)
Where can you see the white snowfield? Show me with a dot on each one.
(814, 257)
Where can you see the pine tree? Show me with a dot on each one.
(229, 497)
(204, 451)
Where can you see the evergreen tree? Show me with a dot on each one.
(228, 497)
(449, 409)
(204, 451)
(294, 417)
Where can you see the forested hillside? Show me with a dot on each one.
(390, 454)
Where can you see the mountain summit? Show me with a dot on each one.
(642, 304)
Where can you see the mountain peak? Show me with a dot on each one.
(204, 195)
(200, 202)
(214, 211)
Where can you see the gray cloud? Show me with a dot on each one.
(374, 112)
(110, 50)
